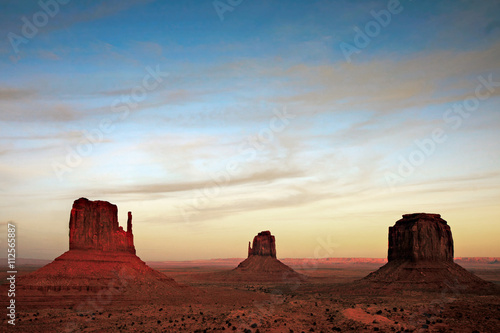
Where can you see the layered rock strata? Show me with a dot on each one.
(262, 264)
(420, 255)
(264, 244)
(101, 256)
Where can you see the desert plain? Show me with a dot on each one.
(325, 300)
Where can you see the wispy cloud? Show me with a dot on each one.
(10, 93)
(417, 81)
(33, 111)
(48, 55)
(244, 205)
(70, 14)
(351, 122)
(258, 177)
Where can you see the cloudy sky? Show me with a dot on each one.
(322, 121)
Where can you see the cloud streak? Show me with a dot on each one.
(268, 176)
(11, 93)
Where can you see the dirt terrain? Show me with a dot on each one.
(325, 301)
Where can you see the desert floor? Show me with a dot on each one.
(326, 301)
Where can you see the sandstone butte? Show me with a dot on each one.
(101, 256)
(93, 225)
(264, 244)
(420, 255)
(262, 264)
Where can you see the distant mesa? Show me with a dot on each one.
(421, 255)
(262, 264)
(101, 256)
(264, 244)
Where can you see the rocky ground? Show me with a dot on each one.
(326, 302)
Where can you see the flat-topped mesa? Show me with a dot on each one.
(93, 225)
(421, 257)
(420, 237)
(263, 244)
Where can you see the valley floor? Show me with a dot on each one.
(325, 302)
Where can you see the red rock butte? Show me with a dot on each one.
(420, 236)
(262, 264)
(101, 256)
(264, 244)
(421, 255)
(93, 225)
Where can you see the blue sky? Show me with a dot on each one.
(211, 130)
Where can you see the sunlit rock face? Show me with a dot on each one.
(93, 225)
(101, 256)
(420, 236)
(263, 244)
(421, 256)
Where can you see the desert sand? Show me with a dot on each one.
(322, 303)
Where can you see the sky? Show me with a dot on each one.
(321, 121)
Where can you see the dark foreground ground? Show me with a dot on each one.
(325, 302)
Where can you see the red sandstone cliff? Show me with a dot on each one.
(101, 256)
(262, 264)
(420, 236)
(421, 256)
(93, 225)
(264, 244)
